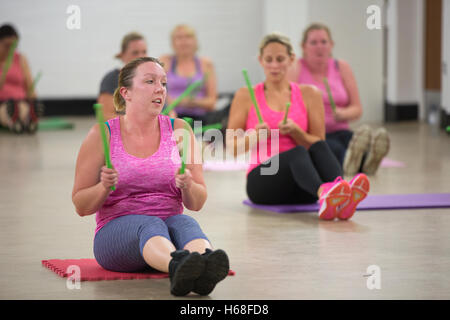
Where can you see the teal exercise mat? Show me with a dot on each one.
(54, 124)
(48, 124)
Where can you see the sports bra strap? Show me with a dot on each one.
(172, 120)
(109, 128)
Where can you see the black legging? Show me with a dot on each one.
(299, 176)
(338, 142)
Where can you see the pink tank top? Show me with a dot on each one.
(146, 186)
(14, 85)
(338, 91)
(297, 112)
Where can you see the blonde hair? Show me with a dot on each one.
(126, 76)
(278, 38)
(132, 36)
(315, 26)
(186, 28)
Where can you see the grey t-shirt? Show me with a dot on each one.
(110, 82)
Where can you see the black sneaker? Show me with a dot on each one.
(184, 269)
(216, 269)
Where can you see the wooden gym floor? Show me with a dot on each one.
(275, 256)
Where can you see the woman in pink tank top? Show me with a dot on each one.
(290, 161)
(18, 106)
(315, 65)
(140, 223)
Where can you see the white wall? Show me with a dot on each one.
(354, 42)
(74, 61)
(229, 31)
(360, 47)
(406, 52)
(419, 62)
(392, 57)
(291, 19)
(405, 70)
(445, 84)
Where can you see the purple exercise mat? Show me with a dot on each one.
(372, 202)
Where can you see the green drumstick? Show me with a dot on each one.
(197, 130)
(185, 148)
(186, 92)
(252, 95)
(101, 123)
(189, 120)
(35, 81)
(194, 92)
(287, 111)
(8, 62)
(212, 126)
(330, 97)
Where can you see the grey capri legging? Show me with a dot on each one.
(118, 246)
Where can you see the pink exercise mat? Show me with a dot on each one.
(90, 270)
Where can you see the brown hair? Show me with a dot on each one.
(276, 37)
(315, 26)
(132, 36)
(7, 31)
(126, 76)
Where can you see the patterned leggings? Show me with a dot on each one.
(118, 246)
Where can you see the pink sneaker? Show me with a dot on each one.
(360, 186)
(333, 194)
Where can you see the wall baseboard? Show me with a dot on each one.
(400, 112)
(69, 107)
(84, 106)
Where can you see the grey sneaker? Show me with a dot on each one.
(356, 148)
(379, 148)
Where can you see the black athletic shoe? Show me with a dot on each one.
(184, 270)
(216, 269)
